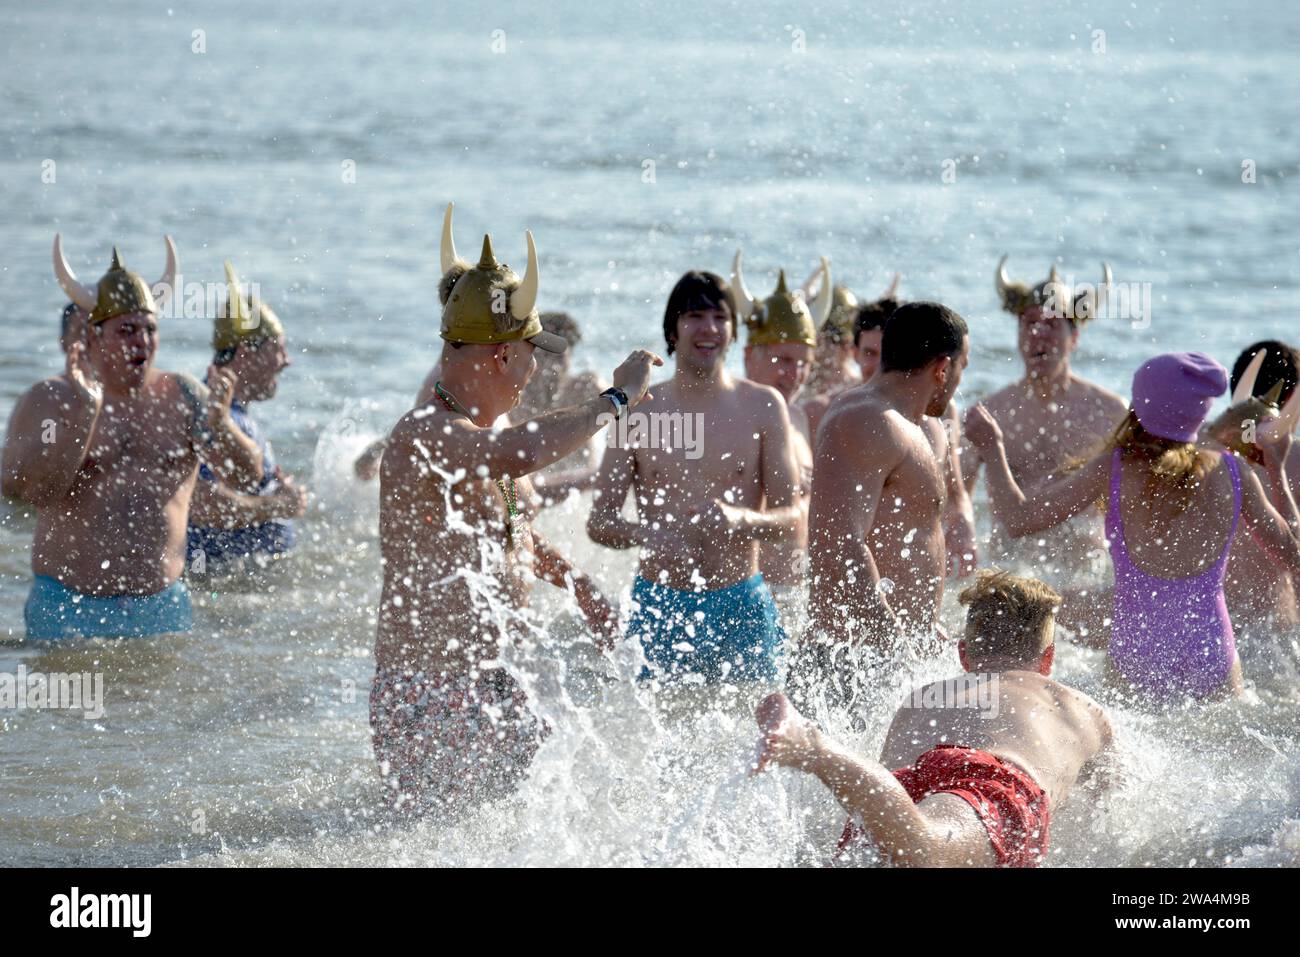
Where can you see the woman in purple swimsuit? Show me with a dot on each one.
(1173, 509)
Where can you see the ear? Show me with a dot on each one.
(961, 655)
(501, 355)
(1045, 662)
(942, 369)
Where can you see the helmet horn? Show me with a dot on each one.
(448, 247)
(164, 288)
(83, 295)
(744, 299)
(1246, 384)
(821, 306)
(523, 299)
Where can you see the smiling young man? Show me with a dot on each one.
(1050, 416)
(701, 607)
(225, 523)
(108, 453)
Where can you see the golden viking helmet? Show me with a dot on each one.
(1052, 295)
(838, 326)
(488, 302)
(784, 316)
(243, 319)
(120, 291)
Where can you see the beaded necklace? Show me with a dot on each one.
(506, 486)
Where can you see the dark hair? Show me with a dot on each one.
(697, 290)
(918, 333)
(69, 311)
(873, 315)
(223, 357)
(1282, 362)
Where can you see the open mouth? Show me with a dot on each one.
(707, 348)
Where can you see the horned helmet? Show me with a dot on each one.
(1052, 295)
(784, 316)
(488, 303)
(1251, 416)
(838, 327)
(120, 291)
(243, 319)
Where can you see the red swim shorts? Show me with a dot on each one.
(1010, 804)
(447, 742)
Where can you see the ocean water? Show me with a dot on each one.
(316, 146)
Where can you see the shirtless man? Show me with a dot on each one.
(782, 334)
(878, 490)
(108, 454)
(227, 524)
(450, 725)
(701, 607)
(1050, 417)
(984, 760)
(944, 435)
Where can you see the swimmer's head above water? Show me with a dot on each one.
(248, 340)
(1010, 624)
(1050, 316)
(700, 320)
(928, 341)
(122, 308)
(782, 330)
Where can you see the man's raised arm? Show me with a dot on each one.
(49, 433)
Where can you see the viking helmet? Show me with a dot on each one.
(120, 291)
(488, 303)
(242, 319)
(1052, 295)
(1230, 430)
(784, 316)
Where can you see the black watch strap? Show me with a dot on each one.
(620, 401)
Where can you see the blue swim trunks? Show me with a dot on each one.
(55, 611)
(731, 634)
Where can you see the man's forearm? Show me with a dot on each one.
(216, 506)
(845, 594)
(772, 525)
(234, 457)
(614, 531)
(537, 443)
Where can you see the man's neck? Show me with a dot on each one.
(907, 393)
(700, 381)
(1049, 387)
(468, 390)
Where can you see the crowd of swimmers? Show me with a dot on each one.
(825, 505)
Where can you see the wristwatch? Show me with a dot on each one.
(619, 398)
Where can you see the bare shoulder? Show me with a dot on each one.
(765, 401)
(815, 406)
(47, 394)
(1008, 397)
(1102, 398)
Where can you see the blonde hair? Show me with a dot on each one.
(1172, 466)
(1008, 616)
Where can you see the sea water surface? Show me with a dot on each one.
(315, 145)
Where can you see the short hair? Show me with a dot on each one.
(223, 357)
(1282, 362)
(1006, 616)
(918, 333)
(697, 290)
(562, 324)
(873, 315)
